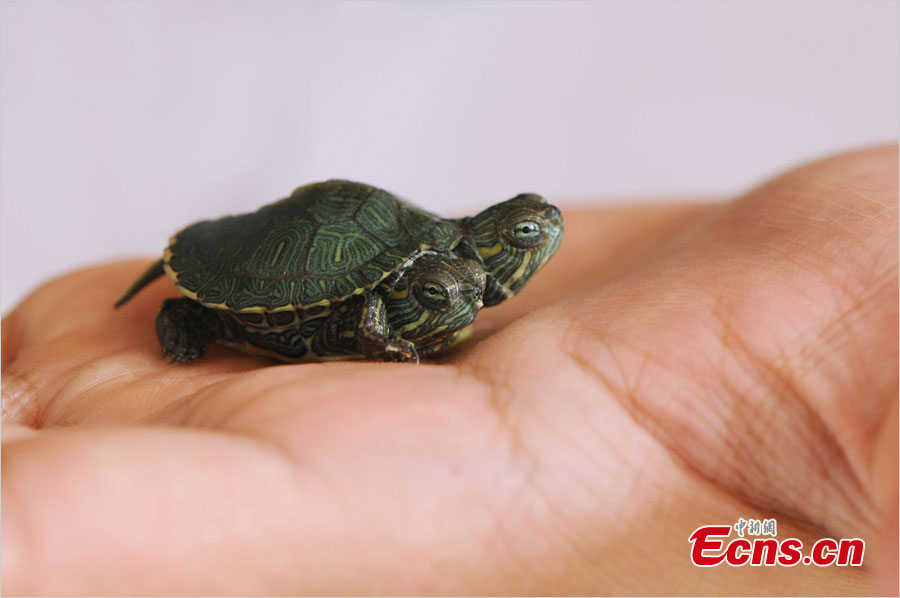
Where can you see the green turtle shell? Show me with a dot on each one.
(322, 244)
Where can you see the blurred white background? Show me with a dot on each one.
(122, 122)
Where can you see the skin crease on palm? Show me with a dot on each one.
(673, 366)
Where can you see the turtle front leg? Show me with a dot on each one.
(185, 328)
(375, 337)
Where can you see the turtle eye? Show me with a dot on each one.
(525, 233)
(434, 295)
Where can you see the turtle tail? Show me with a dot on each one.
(152, 273)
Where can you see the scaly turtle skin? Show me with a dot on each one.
(343, 270)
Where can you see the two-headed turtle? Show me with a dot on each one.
(343, 270)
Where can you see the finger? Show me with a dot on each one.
(317, 489)
(69, 357)
(148, 512)
(13, 432)
(77, 301)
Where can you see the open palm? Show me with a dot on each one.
(672, 367)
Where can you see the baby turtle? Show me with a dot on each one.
(343, 270)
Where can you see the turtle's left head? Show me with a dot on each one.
(435, 299)
(514, 239)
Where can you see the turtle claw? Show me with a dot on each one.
(184, 329)
(177, 357)
(184, 354)
(399, 351)
(395, 351)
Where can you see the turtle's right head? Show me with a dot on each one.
(514, 239)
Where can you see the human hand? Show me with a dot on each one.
(690, 365)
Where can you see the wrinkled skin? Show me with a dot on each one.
(673, 366)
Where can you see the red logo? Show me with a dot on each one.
(710, 547)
